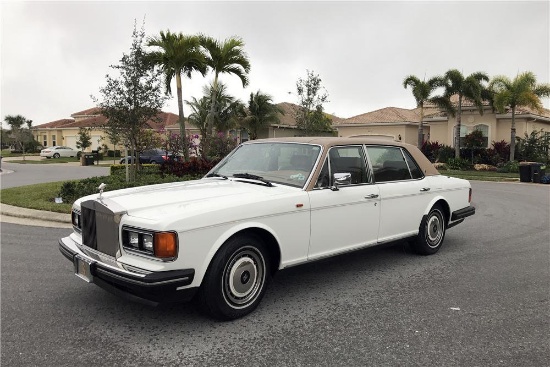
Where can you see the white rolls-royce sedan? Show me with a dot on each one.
(269, 205)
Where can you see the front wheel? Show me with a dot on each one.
(56, 155)
(236, 279)
(431, 232)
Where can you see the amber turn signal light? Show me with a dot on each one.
(166, 244)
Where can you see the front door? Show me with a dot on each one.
(345, 214)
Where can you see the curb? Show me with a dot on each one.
(14, 211)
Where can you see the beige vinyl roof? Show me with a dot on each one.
(326, 142)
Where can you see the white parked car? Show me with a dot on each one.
(269, 205)
(58, 151)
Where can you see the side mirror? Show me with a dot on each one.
(341, 179)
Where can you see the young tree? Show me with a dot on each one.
(84, 139)
(179, 54)
(261, 112)
(522, 91)
(135, 96)
(224, 57)
(422, 91)
(310, 117)
(470, 87)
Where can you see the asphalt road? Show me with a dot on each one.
(482, 300)
(16, 174)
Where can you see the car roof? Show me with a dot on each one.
(327, 142)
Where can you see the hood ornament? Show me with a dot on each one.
(100, 188)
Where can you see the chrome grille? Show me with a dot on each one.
(99, 227)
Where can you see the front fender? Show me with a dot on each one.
(230, 232)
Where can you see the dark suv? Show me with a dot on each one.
(155, 156)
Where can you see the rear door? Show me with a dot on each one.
(404, 192)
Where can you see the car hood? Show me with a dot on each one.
(172, 202)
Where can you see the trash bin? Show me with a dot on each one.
(89, 159)
(525, 172)
(536, 172)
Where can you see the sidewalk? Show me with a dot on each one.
(17, 215)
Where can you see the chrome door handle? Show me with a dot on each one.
(371, 196)
(425, 189)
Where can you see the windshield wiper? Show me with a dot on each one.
(253, 177)
(216, 175)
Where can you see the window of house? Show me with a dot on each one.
(54, 140)
(485, 131)
(45, 140)
(465, 130)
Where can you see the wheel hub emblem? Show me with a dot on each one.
(245, 277)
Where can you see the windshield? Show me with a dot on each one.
(282, 163)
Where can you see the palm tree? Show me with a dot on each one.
(199, 113)
(228, 110)
(260, 113)
(422, 91)
(179, 54)
(224, 57)
(20, 136)
(522, 91)
(226, 114)
(470, 87)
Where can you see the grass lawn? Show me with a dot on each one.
(39, 196)
(482, 175)
(5, 153)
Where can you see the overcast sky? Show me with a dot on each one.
(54, 55)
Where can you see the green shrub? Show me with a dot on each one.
(508, 167)
(459, 164)
(72, 190)
(444, 153)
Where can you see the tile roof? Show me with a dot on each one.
(97, 120)
(289, 116)
(385, 115)
(88, 112)
(54, 124)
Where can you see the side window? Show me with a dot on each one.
(388, 164)
(349, 159)
(413, 167)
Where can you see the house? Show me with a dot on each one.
(402, 124)
(65, 131)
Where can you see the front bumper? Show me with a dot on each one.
(149, 288)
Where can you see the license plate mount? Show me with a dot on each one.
(82, 268)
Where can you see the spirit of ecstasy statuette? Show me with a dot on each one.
(100, 188)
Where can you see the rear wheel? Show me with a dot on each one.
(431, 232)
(236, 279)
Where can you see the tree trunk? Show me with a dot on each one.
(213, 101)
(181, 119)
(513, 135)
(421, 128)
(458, 123)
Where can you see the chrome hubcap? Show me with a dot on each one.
(244, 277)
(434, 230)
